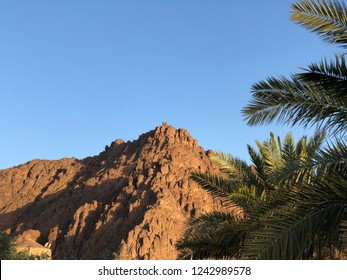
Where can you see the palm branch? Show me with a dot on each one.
(238, 197)
(296, 102)
(213, 235)
(329, 75)
(325, 18)
(306, 226)
(299, 160)
(233, 167)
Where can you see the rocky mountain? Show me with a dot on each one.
(134, 198)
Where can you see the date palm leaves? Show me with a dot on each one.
(251, 192)
(294, 196)
(305, 226)
(313, 97)
(325, 18)
(311, 224)
(316, 96)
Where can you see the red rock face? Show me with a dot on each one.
(133, 199)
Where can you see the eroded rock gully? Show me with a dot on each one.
(134, 198)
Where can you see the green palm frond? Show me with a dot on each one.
(302, 218)
(331, 76)
(318, 95)
(213, 235)
(294, 172)
(332, 158)
(248, 198)
(234, 167)
(288, 235)
(305, 227)
(289, 150)
(258, 166)
(300, 160)
(301, 148)
(215, 185)
(238, 197)
(320, 161)
(214, 218)
(325, 18)
(271, 152)
(295, 102)
(315, 143)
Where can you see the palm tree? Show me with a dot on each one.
(317, 95)
(311, 222)
(249, 191)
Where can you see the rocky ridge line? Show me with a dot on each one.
(133, 199)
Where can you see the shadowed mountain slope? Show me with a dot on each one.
(134, 198)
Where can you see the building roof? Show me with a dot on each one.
(30, 243)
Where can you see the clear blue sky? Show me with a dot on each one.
(76, 75)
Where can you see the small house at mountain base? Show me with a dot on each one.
(33, 249)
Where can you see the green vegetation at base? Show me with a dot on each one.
(8, 250)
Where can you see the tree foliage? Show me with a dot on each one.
(312, 222)
(8, 251)
(250, 193)
(294, 196)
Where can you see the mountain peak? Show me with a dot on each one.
(170, 134)
(134, 198)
